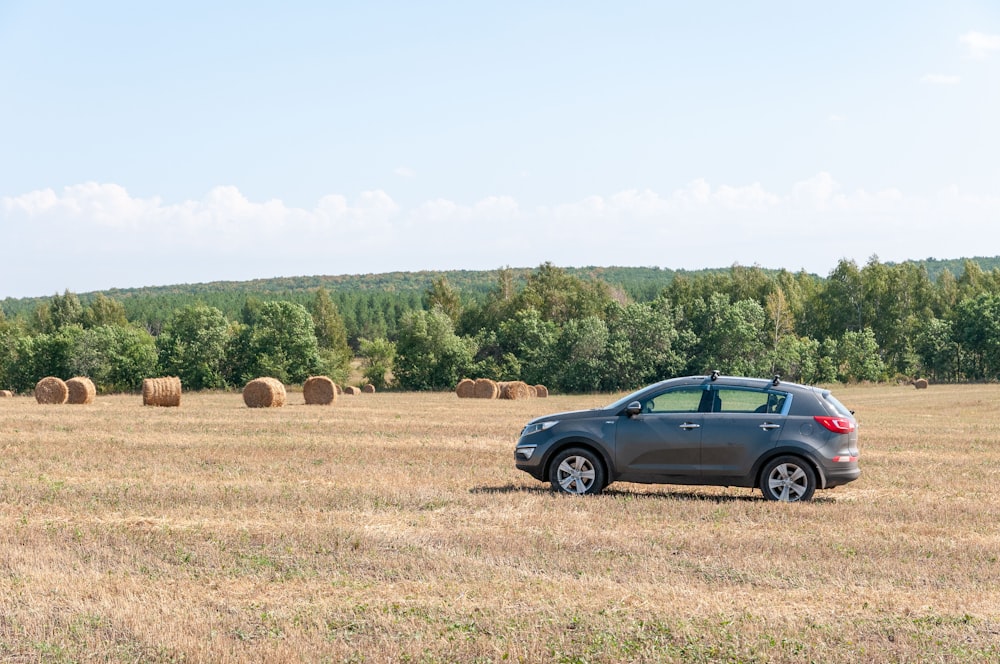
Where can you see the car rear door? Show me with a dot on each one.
(744, 423)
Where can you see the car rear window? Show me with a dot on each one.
(837, 406)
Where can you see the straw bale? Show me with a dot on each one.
(368, 388)
(4, 394)
(264, 392)
(532, 391)
(486, 388)
(81, 390)
(920, 383)
(51, 390)
(319, 390)
(515, 389)
(466, 388)
(351, 390)
(164, 391)
(541, 391)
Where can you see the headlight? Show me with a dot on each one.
(538, 426)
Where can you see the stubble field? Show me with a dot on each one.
(394, 527)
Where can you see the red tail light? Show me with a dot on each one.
(836, 424)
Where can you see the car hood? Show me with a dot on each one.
(570, 415)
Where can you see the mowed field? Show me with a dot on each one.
(394, 527)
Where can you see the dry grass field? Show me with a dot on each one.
(394, 527)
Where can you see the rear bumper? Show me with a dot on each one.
(838, 476)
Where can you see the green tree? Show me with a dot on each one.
(116, 357)
(331, 337)
(442, 295)
(377, 356)
(17, 359)
(104, 310)
(65, 310)
(276, 339)
(560, 297)
(52, 353)
(937, 350)
(977, 328)
(429, 355)
(641, 346)
(780, 316)
(580, 354)
(192, 346)
(500, 305)
(838, 306)
(327, 321)
(531, 342)
(15, 355)
(492, 360)
(858, 357)
(732, 337)
(805, 360)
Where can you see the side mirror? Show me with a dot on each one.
(633, 409)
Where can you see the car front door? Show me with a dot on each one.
(663, 441)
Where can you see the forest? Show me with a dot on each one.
(574, 330)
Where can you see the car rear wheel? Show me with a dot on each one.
(788, 479)
(577, 471)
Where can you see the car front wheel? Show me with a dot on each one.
(577, 471)
(788, 479)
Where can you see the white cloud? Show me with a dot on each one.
(980, 45)
(123, 241)
(940, 79)
(818, 190)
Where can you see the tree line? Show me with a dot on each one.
(550, 325)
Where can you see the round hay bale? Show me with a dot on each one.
(336, 388)
(486, 388)
(368, 388)
(541, 391)
(165, 391)
(515, 390)
(920, 383)
(532, 392)
(264, 393)
(51, 390)
(4, 394)
(319, 390)
(351, 390)
(81, 390)
(466, 388)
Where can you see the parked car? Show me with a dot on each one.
(784, 438)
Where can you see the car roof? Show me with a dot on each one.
(740, 381)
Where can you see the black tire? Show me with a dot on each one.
(577, 471)
(789, 479)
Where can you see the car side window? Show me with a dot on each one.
(682, 400)
(729, 400)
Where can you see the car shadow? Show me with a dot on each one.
(686, 495)
(511, 488)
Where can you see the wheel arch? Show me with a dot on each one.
(585, 443)
(786, 450)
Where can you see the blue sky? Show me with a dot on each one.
(152, 144)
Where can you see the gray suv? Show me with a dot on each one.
(787, 439)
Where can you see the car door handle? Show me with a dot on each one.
(687, 426)
(769, 425)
